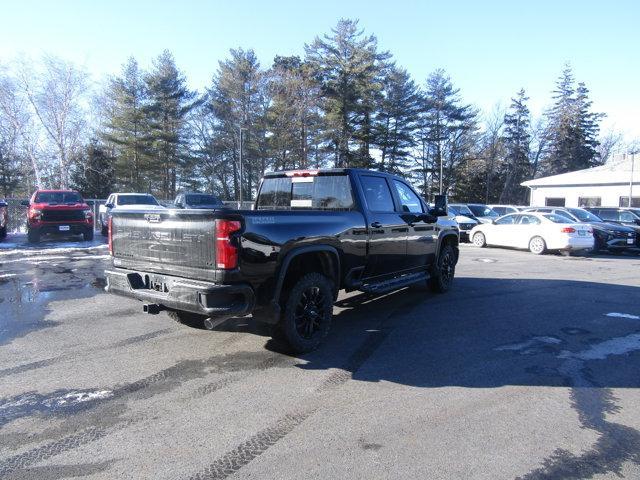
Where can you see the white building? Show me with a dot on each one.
(608, 185)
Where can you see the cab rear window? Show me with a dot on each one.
(323, 192)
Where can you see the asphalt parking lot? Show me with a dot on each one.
(528, 368)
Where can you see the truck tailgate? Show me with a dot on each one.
(185, 238)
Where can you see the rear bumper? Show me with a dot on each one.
(578, 243)
(176, 293)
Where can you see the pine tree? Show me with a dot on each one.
(126, 128)
(93, 173)
(238, 99)
(397, 120)
(348, 67)
(573, 128)
(588, 129)
(169, 102)
(517, 139)
(447, 129)
(293, 117)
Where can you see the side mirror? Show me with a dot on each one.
(109, 205)
(439, 206)
(24, 203)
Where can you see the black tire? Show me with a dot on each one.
(104, 230)
(537, 245)
(479, 240)
(598, 244)
(444, 270)
(88, 235)
(33, 235)
(308, 312)
(3, 233)
(188, 318)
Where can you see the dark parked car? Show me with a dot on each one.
(4, 218)
(484, 213)
(311, 234)
(628, 217)
(197, 201)
(606, 235)
(58, 212)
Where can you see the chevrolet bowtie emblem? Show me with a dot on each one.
(152, 217)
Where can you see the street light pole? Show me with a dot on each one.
(240, 182)
(633, 158)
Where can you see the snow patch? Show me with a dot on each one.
(600, 351)
(516, 347)
(623, 315)
(79, 397)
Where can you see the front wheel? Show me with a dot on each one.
(33, 235)
(3, 233)
(479, 240)
(444, 270)
(88, 235)
(537, 245)
(308, 312)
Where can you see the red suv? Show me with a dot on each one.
(61, 212)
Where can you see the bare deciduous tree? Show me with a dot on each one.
(57, 95)
(19, 133)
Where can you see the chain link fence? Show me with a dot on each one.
(18, 212)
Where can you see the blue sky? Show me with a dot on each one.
(490, 48)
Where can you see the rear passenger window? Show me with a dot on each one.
(608, 215)
(377, 194)
(529, 220)
(626, 217)
(507, 220)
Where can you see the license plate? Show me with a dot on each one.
(630, 241)
(64, 228)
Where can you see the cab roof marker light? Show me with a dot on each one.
(301, 173)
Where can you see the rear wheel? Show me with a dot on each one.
(3, 232)
(444, 270)
(33, 235)
(479, 240)
(308, 312)
(88, 235)
(537, 245)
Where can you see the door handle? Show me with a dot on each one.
(376, 225)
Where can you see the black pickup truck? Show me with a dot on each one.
(311, 233)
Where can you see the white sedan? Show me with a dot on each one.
(539, 232)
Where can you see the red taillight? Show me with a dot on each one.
(568, 230)
(110, 229)
(226, 252)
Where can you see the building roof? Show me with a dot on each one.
(616, 171)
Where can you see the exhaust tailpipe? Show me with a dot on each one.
(211, 323)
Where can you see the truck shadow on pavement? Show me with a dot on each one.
(488, 333)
